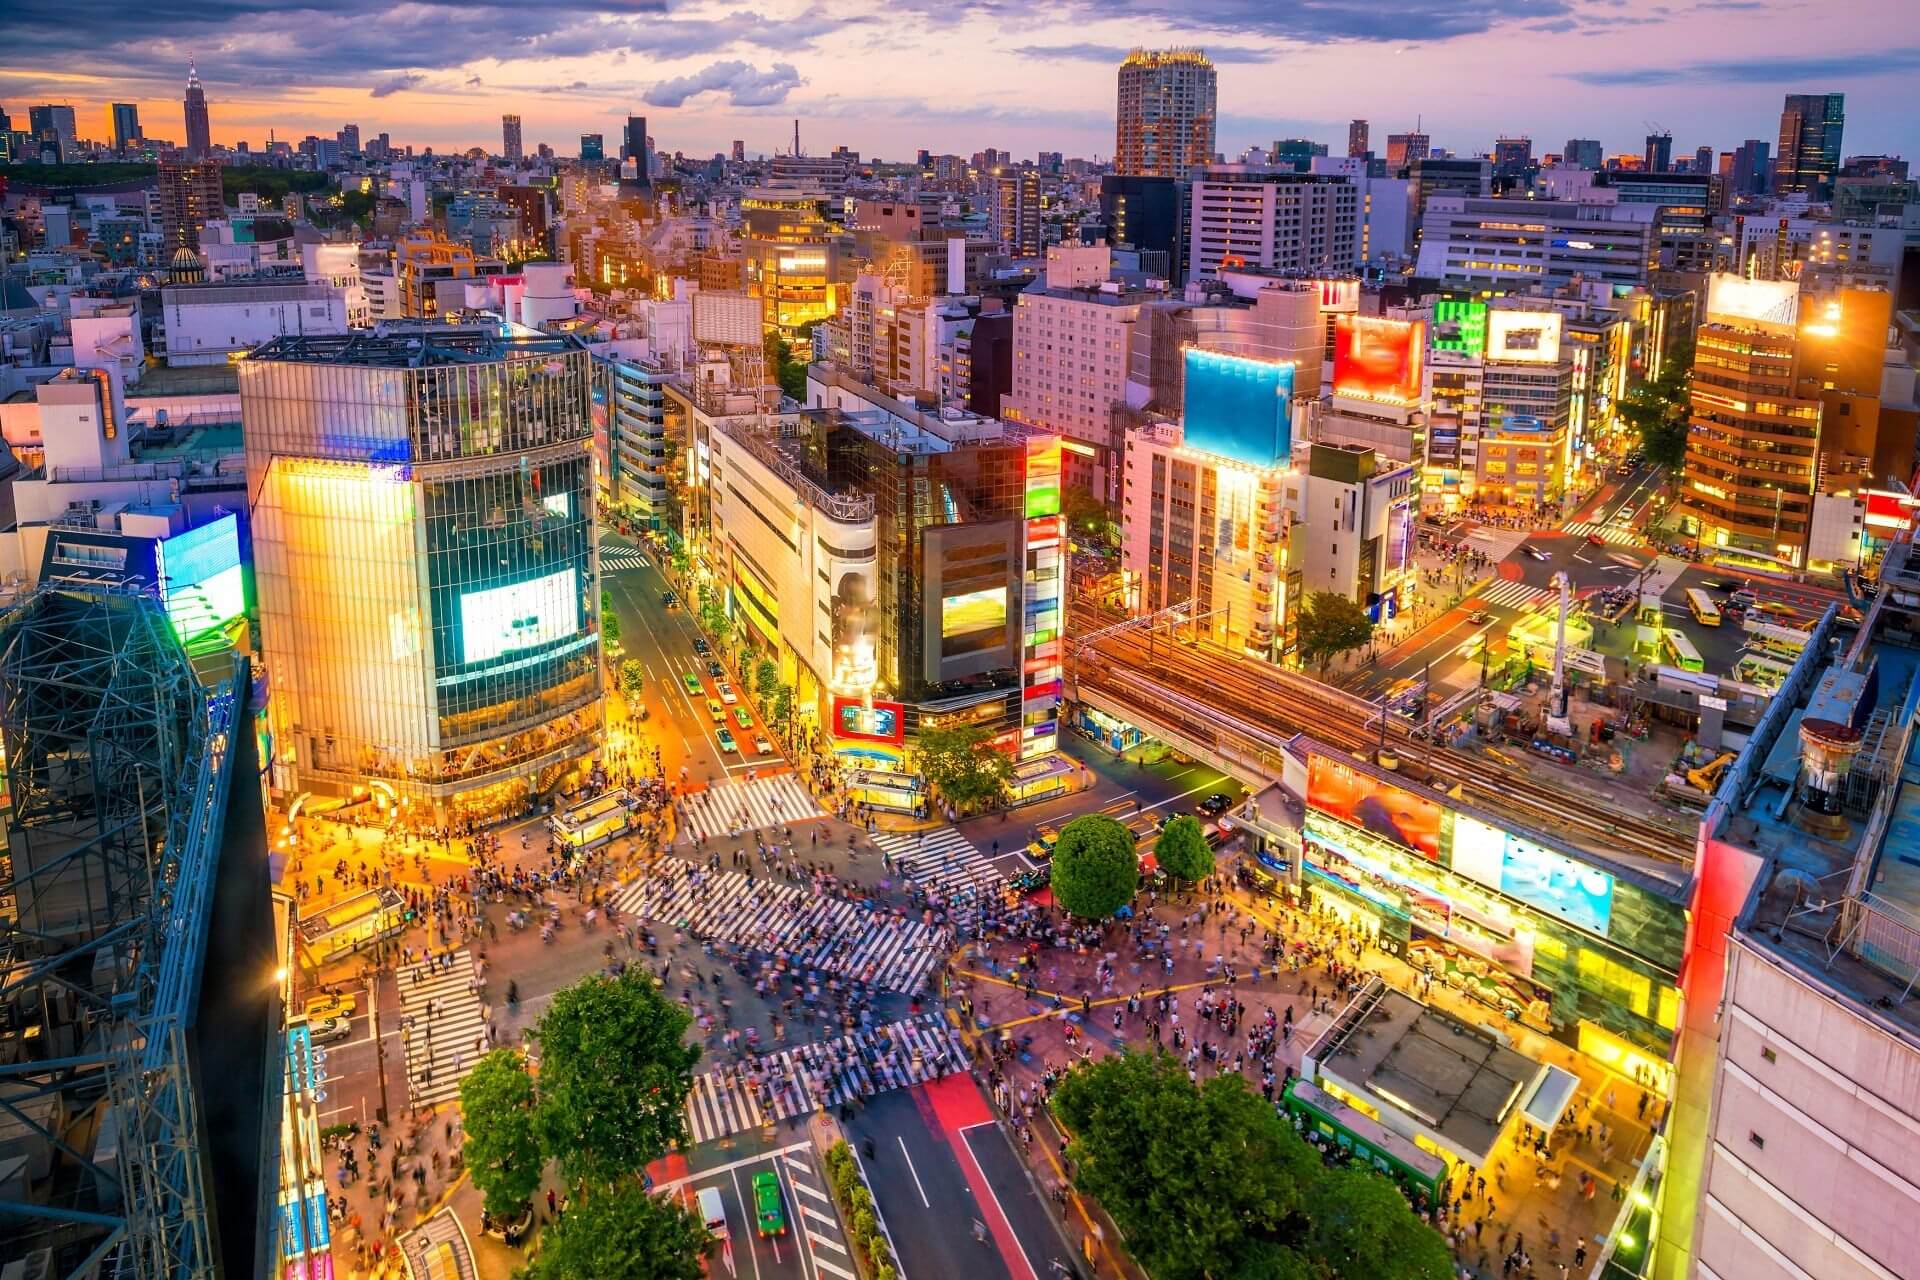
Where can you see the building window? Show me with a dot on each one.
(1768, 1055)
(1757, 1140)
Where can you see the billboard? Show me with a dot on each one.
(1460, 325)
(1408, 820)
(730, 318)
(973, 620)
(887, 722)
(1378, 359)
(520, 615)
(1238, 408)
(1736, 298)
(1524, 337)
(1530, 873)
(201, 578)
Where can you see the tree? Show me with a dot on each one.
(633, 677)
(1361, 1229)
(1182, 850)
(1095, 868)
(609, 620)
(790, 371)
(623, 1233)
(1089, 518)
(714, 620)
(1330, 625)
(1658, 410)
(963, 764)
(783, 706)
(614, 1076)
(766, 675)
(500, 1144)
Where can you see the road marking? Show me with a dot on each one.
(986, 1185)
(925, 1203)
(696, 1175)
(747, 1213)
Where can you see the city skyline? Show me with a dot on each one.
(438, 75)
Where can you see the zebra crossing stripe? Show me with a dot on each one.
(445, 1043)
(942, 859)
(754, 804)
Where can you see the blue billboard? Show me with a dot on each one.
(1238, 408)
(1579, 894)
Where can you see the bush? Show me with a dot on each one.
(863, 1227)
(885, 1271)
(878, 1252)
(860, 1198)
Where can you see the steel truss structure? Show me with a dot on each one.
(118, 767)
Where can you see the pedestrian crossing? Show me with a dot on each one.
(806, 930)
(813, 1213)
(1508, 595)
(750, 804)
(443, 1024)
(1613, 535)
(809, 1077)
(621, 558)
(942, 859)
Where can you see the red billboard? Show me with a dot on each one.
(1378, 359)
(886, 723)
(1362, 800)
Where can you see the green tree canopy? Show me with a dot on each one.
(623, 1233)
(963, 764)
(1095, 868)
(633, 677)
(502, 1146)
(766, 675)
(1182, 850)
(614, 1074)
(1330, 625)
(1090, 519)
(1210, 1181)
(1658, 409)
(609, 620)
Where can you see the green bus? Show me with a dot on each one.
(1335, 1122)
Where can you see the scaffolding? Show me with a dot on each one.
(117, 763)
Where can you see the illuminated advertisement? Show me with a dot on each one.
(886, 723)
(201, 578)
(1523, 337)
(1041, 588)
(518, 616)
(1460, 325)
(1889, 510)
(1238, 408)
(1378, 359)
(1408, 820)
(1736, 298)
(1579, 894)
(973, 620)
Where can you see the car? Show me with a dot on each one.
(1214, 805)
(716, 710)
(714, 1211)
(769, 1215)
(322, 1007)
(761, 746)
(669, 599)
(692, 682)
(1595, 540)
(1536, 552)
(725, 690)
(726, 740)
(714, 668)
(701, 647)
(1477, 616)
(743, 717)
(327, 1030)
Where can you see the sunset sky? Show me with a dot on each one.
(886, 78)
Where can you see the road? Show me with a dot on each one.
(812, 1246)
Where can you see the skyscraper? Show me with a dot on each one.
(126, 125)
(633, 143)
(510, 139)
(1016, 213)
(1582, 153)
(52, 124)
(1167, 112)
(1659, 154)
(593, 146)
(1809, 152)
(1405, 148)
(1357, 138)
(1752, 168)
(740, 151)
(1703, 159)
(199, 131)
(1512, 159)
(349, 139)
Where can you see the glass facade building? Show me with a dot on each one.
(425, 559)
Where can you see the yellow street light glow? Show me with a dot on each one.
(280, 974)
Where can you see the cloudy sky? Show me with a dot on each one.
(888, 76)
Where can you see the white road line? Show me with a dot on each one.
(925, 1203)
(729, 1167)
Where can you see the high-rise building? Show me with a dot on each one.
(633, 143)
(1488, 245)
(126, 125)
(422, 264)
(1297, 154)
(1016, 213)
(1659, 153)
(1271, 219)
(199, 129)
(1405, 148)
(429, 605)
(1357, 138)
(1703, 159)
(1583, 153)
(1808, 157)
(1751, 172)
(1164, 126)
(191, 196)
(1147, 214)
(1512, 159)
(739, 151)
(349, 139)
(593, 147)
(52, 127)
(510, 146)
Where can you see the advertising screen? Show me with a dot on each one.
(1579, 894)
(1378, 359)
(1460, 325)
(1775, 302)
(1408, 820)
(201, 577)
(517, 616)
(887, 723)
(1238, 408)
(973, 620)
(1523, 337)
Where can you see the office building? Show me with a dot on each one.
(1295, 154)
(739, 151)
(1659, 153)
(1521, 245)
(1808, 156)
(52, 127)
(798, 258)
(1357, 138)
(633, 146)
(199, 129)
(1750, 173)
(1513, 160)
(1404, 148)
(1687, 204)
(510, 145)
(430, 274)
(1383, 210)
(429, 605)
(1526, 410)
(1432, 177)
(593, 147)
(190, 196)
(126, 126)
(1272, 219)
(1016, 213)
(1146, 214)
(633, 476)
(1583, 153)
(1165, 123)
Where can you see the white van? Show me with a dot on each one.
(713, 1211)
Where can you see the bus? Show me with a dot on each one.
(1319, 1114)
(1680, 651)
(592, 823)
(1705, 611)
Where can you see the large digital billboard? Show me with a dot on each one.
(1769, 302)
(1523, 337)
(518, 616)
(973, 620)
(201, 578)
(887, 722)
(1378, 359)
(1460, 324)
(1408, 820)
(1579, 894)
(1238, 408)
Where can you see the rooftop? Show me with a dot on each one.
(470, 338)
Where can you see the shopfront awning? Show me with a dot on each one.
(1550, 1098)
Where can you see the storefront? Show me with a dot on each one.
(1111, 732)
(1040, 779)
